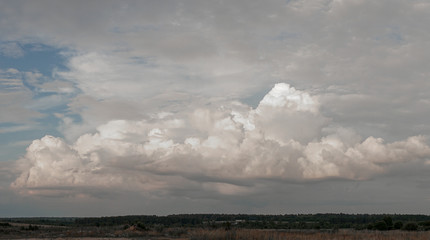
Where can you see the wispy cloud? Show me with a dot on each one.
(11, 49)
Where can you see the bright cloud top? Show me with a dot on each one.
(212, 148)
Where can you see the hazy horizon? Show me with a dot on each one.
(113, 108)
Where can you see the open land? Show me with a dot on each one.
(222, 226)
(237, 234)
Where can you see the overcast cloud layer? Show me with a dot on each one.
(156, 107)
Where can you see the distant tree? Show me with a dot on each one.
(141, 226)
(227, 226)
(30, 228)
(389, 221)
(410, 226)
(398, 225)
(381, 226)
(159, 228)
(425, 224)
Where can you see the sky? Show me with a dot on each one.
(165, 107)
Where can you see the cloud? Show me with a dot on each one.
(11, 49)
(24, 95)
(133, 51)
(215, 149)
(359, 71)
(15, 97)
(286, 113)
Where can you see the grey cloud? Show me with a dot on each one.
(371, 49)
(366, 62)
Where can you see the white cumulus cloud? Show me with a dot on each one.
(213, 148)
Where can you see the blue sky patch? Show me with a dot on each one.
(33, 57)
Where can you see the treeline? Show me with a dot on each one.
(54, 221)
(387, 223)
(287, 221)
(247, 221)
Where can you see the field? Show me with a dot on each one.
(47, 232)
(222, 227)
(307, 235)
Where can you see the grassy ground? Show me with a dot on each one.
(243, 234)
(106, 233)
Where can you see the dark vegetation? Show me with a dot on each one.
(287, 221)
(189, 225)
